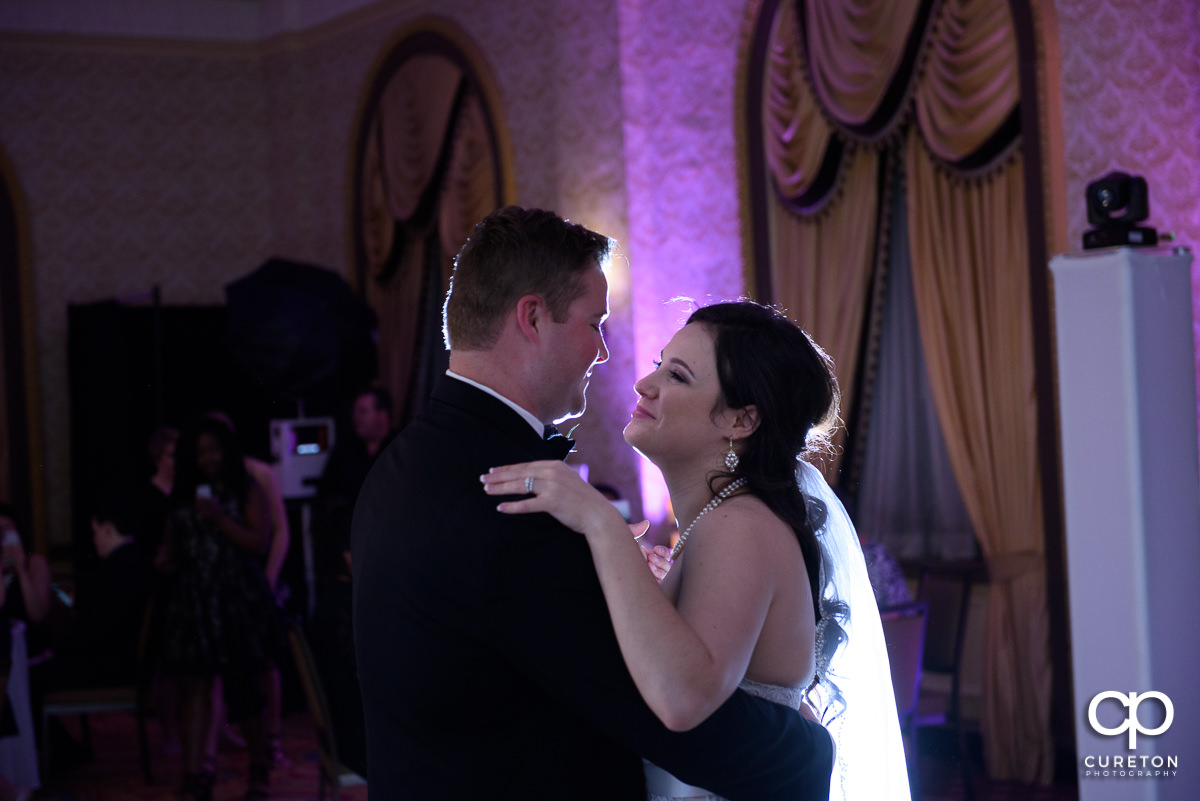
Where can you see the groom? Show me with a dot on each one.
(488, 664)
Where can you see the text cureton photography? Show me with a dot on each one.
(1129, 766)
(1145, 766)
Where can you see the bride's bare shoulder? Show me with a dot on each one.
(744, 523)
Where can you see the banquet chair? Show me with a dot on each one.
(904, 634)
(946, 588)
(330, 770)
(85, 701)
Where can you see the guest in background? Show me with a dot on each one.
(221, 616)
(277, 552)
(26, 579)
(154, 504)
(8, 722)
(264, 476)
(100, 646)
(155, 500)
(351, 459)
(331, 631)
(25, 595)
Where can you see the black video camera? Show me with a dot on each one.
(1115, 204)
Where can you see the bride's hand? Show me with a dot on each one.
(556, 489)
(659, 561)
(658, 557)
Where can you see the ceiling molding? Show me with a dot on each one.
(210, 21)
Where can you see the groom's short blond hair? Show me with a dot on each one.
(515, 252)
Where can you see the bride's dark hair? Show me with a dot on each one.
(766, 361)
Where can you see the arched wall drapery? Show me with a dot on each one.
(432, 160)
(21, 461)
(9, 337)
(937, 84)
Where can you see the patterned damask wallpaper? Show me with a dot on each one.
(1132, 103)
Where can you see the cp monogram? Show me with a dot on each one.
(1131, 723)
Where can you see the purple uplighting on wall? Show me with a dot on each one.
(678, 73)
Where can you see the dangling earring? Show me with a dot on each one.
(731, 458)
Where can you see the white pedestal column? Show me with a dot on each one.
(1131, 488)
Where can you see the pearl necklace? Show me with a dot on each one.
(717, 500)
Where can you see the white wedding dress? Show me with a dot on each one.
(855, 695)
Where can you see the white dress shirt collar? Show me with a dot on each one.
(538, 426)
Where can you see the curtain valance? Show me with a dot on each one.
(842, 72)
(970, 83)
(858, 54)
(803, 156)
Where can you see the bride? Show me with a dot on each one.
(765, 588)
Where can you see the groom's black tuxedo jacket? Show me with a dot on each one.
(488, 663)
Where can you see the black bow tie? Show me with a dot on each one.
(557, 446)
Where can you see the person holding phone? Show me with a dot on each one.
(26, 592)
(25, 596)
(220, 616)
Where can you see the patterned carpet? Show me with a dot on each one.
(114, 773)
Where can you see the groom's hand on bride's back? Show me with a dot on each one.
(809, 712)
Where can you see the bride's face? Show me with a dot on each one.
(674, 416)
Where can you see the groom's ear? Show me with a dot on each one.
(531, 315)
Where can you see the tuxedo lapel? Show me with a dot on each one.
(498, 414)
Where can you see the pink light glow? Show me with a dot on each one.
(655, 322)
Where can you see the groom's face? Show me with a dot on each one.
(573, 347)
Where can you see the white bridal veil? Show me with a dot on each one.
(870, 753)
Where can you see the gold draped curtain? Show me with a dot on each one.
(828, 299)
(821, 263)
(427, 176)
(6, 455)
(934, 83)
